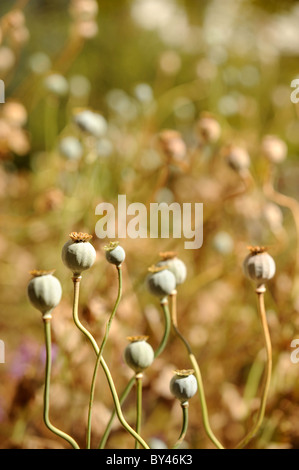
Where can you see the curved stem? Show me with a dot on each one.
(202, 398)
(138, 380)
(121, 401)
(58, 432)
(76, 281)
(184, 406)
(130, 384)
(267, 377)
(96, 368)
(167, 327)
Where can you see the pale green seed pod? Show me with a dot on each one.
(161, 282)
(115, 254)
(138, 354)
(44, 291)
(175, 265)
(259, 266)
(78, 254)
(183, 384)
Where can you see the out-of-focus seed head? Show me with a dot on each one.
(91, 122)
(83, 9)
(39, 63)
(259, 266)
(160, 281)
(71, 148)
(56, 84)
(44, 291)
(115, 254)
(175, 265)
(237, 158)
(156, 443)
(78, 254)
(273, 215)
(223, 243)
(208, 129)
(274, 149)
(138, 354)
(15, 113)
(172, 144)
(183, 384)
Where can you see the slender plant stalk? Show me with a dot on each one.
(121, 401)
(197, 373)
(167, 327)
(159, 350)
(58, 432)
(268, 371)
(185, 407)
(138, 380)
(96, 368)
(173, 297)
(76, 281)
(293, 205)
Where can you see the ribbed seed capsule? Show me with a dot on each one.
(175, 265)
(138, 354)
(78, 254)
(44, 291)
(161, 282)
(115, 254)
(183, 384)
(259, 266)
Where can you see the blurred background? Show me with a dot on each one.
(187, 102)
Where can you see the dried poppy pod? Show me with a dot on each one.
(44, 291)
(161, 281)
(138, 354)
(183, 384)
(175, 265)
(259, 266)
(78, 254)
(115, 254)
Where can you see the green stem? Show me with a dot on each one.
(205, 414)
(121, 401)
(267, 377)
(184, 406)
(76, 281)
(130, 384)
(108, 326)
(138, 380)
(167, 327)
(58, 432)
